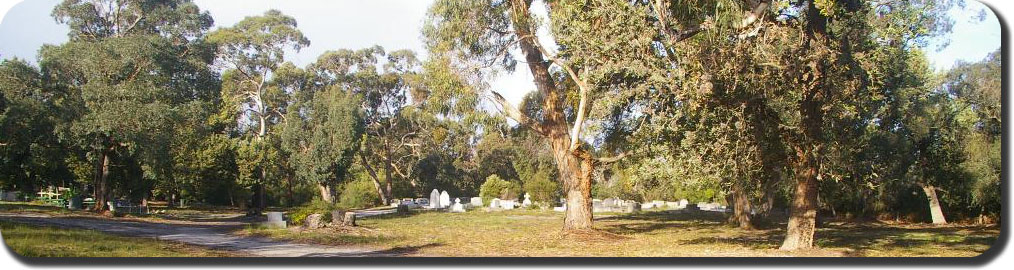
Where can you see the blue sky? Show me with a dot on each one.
(395, 24)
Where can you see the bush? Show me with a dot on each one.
(541, 188)
(317, 206)
(494, 187)
(360, 193)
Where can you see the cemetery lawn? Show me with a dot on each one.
(650, 234)
(45, 241)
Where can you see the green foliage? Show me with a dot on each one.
(494, 187)
(317, 206)
(358, 194)
(542, 188)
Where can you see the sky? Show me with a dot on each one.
(396, 24)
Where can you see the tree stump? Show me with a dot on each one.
(337, 217)
(349, 220)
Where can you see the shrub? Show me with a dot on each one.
(494, 187)
(317, 206)
(541, 188)
(360, 193)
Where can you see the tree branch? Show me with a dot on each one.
(516, 114)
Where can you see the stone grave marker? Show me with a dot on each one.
(434, 199)
(495, 203)
(609, 202)
(457, 207)
(527, 201)
(275, 220)
(476, 202)
(445, 199)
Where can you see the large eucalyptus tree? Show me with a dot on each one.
(253, 50)
(129, 67)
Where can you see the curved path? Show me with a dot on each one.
(212, 236)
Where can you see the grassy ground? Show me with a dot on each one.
(537, 233)
(24, 207)
(42, 241)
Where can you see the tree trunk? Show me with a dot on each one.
(102, 182)
(803, 212)
(575, 172)
(576, 175)
(387, 172)
(934, 204)
(291, 201)
(376, 179)
(741, 208)
(261, 196)
(325, 192)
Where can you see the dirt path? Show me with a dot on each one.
(212, 236)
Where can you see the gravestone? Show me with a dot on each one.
(457, 207)
(434, 199)
(314, 221)
(560, 208)
(609, 202)
(275, 220)
(684, 202)
(494, 204)
(672, 205)
(422, 202)
(657, 204)
(507, 204)
(703, 206)
(630, 207)
(647, 206)
(527, 201)
(476, 202)
(445, 199)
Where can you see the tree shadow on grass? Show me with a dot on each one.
(391, 252)
(863, 238)
(647, 222)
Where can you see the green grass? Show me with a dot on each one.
(538, 233)
(35, 207)
(42, 241)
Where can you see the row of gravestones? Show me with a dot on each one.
(442, 200)
(628, 206)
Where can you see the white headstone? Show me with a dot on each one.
(684, 202)
(445, 199)
(609, 202)
(275, 220)
(476, 202)
(560, 208)
(672, 205)
(457, 207)
(435, 199)
(527, 201)
(495, 203)
(507, 204)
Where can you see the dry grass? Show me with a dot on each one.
(653, 234)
